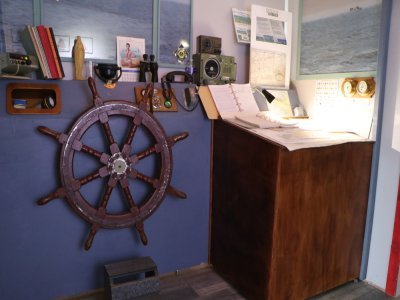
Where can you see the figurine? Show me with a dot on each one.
(79, 58)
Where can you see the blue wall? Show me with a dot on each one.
(41, 248)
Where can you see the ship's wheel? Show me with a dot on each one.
(118, 166)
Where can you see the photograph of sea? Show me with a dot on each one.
(14, 15)
(101, 22)
(175, 28)
(342, 38)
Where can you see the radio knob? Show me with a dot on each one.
(22, 62)
(28, 62)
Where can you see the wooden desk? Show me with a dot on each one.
(286, 225)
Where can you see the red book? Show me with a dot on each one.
(41, 54)
(57, 54)
(53, 51)
(47, 50)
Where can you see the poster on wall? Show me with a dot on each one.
(270, 47)
(242, 22)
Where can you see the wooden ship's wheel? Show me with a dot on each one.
(117, 166)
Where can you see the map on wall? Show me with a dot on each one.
(339, 36)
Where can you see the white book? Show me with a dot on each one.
(232, 99)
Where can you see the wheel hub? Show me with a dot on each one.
(118, 166)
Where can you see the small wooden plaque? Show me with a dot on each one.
(158, 100)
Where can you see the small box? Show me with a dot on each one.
(132, 278)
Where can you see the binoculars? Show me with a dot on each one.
(148, 70)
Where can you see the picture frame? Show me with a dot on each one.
(338, 39)
(175, 29)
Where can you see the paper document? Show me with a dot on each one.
(296, 138)
(233, 98)
(265, 119)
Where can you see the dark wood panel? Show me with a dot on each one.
(319, 229)
(286, 225)
(241, 232)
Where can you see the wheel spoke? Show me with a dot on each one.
(103, 157)
(144, 153)
(127, 192)
(60, 137)
(134, 209)
(173, 139)
(90, 177)
(110, 186)
(136, 122)
(91, 151)
(140, 228)
(59, 193)
(127, 145)
(89, 239)
(175, 192)
(109, 135)
(155, 183)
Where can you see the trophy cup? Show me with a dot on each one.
(108, 73)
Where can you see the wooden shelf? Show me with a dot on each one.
(34, 96)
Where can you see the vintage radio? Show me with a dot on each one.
(209, 44)
(213, 69)
(17, 64)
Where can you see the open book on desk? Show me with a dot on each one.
(236, 103)
(231, 99)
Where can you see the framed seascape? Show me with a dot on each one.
(338, 39)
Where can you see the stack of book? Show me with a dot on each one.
(39, 41)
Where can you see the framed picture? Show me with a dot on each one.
(338, 38)
(14, 16)
(129, 51)
(175, 27)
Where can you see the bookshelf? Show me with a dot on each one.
(33, 98)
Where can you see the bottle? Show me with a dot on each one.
(189, 69)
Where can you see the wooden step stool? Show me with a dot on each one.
(132, 278)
